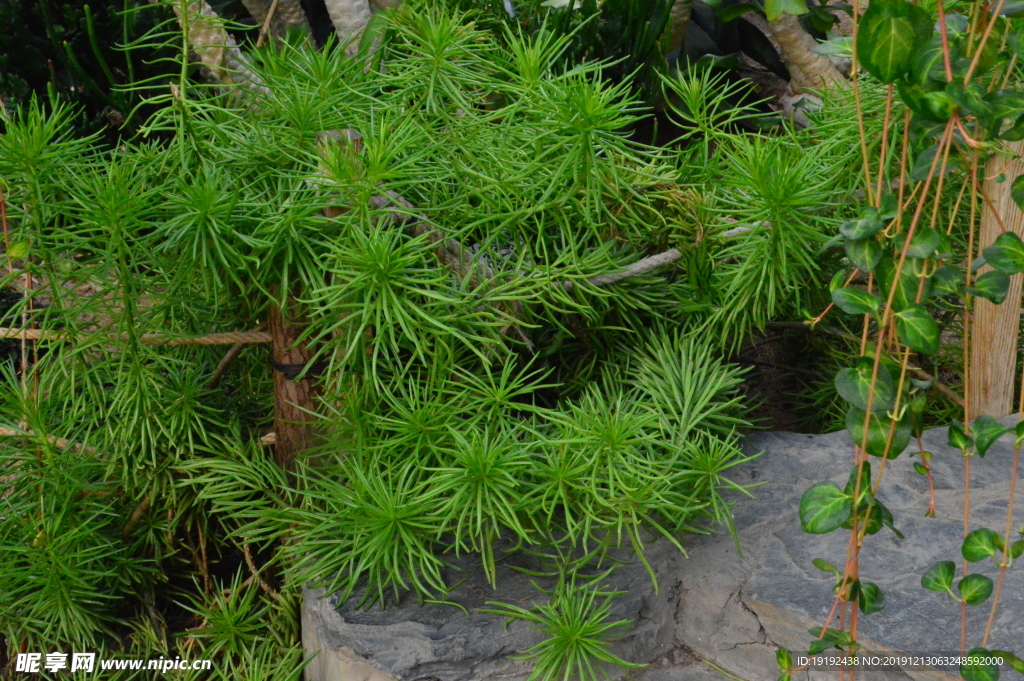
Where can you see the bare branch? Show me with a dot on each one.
(277, 16)
(58, 442)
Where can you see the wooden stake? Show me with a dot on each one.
(993, 351)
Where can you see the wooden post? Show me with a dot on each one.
(993, 342)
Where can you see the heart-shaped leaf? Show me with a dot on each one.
(856, 301)
(837, 636)
(863, 490)
(915, 410)
(947, 279)
(975, 589)
(823, 508)
(980, 544)
(927, 67)
(991, 286)
(958, 439)
(904, 289)
(784, 659)
(891, 31)
(945, 249)
(931, 105)
(924, 243)
(1006, 253)
(925, 161)
(1017, 191)
(978, 666)
(986, 430)
(1016, 664)
(878, 433)
(971, 99)
(871, 598)
(825, 566)
(917, 329)
(1016, 549)
(873, 516)
(854, 385)
(863, 253)
(940, 577)
(819, 645)
(868, 225)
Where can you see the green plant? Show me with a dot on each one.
(578, 630)
(491, 375)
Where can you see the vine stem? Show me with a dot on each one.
(854, 73)
(852, 569)
(895, 410)
(1005, 562)
(940, 185)
(945, 40)
(967, 389)
(984, 39)
(885, 143)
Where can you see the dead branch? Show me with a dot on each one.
(256, 573)
(136, 515)
(58, 442)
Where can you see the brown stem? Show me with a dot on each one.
(58, 442)
(205, 567)
(277, 16)
(256, 573)
(266, 23)
(226, 361)
(136, 515)
(1005, 563)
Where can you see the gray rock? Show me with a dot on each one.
(722, 610)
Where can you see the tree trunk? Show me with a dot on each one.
(993, 343)
(294, 399)
(808, 70)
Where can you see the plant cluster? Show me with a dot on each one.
(491, 377)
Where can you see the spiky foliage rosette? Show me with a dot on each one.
(481, 391)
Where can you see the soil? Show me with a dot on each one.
(776, 361)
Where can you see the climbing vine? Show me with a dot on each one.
(954, 117)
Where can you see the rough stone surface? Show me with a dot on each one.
(715, 609)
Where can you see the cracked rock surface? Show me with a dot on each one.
(716, 609)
